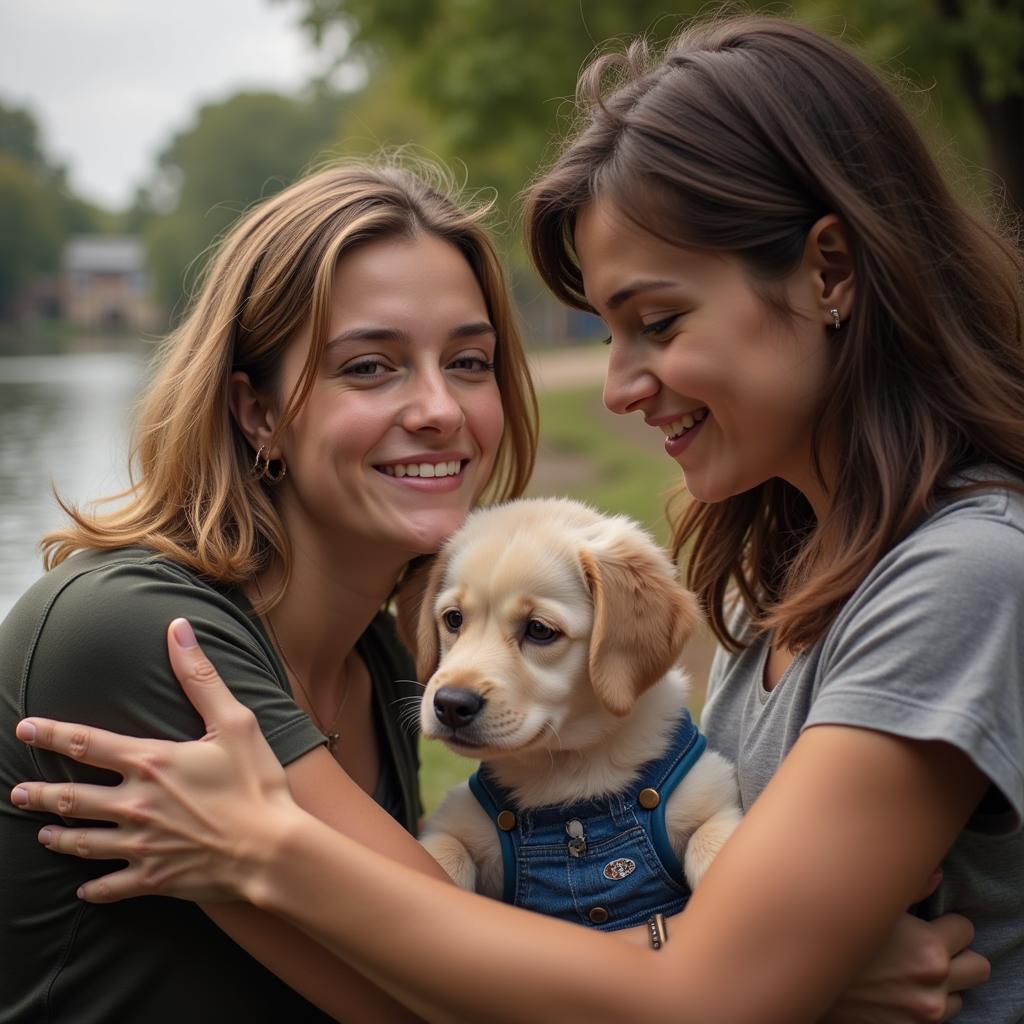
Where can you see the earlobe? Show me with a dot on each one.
(252, 411)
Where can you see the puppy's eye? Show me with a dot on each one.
(452, 620)
(540, 632)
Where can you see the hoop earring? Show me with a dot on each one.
(836, 322)
(261, 468)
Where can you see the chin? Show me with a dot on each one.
(425, 536)
(711, 491)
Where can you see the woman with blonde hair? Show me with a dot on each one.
(347, 385)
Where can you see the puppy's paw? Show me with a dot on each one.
(705, 843)
(453, 857)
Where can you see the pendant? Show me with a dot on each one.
(332, 740)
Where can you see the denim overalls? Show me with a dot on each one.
(604, 863)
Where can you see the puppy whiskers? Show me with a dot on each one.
(408, 714)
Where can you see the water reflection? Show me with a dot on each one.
(64, 422)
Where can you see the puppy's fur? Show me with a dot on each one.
(568, 717)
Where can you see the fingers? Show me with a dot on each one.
(88, 843)
(121, 885)
(71, 800)
(80, 742)
(954, 931)
(968, 969)
(199, 679)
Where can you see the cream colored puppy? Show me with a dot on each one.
(549, 637)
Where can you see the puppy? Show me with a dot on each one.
(549, 635)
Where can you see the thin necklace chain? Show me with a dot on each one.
(333, 732)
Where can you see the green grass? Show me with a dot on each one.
(585, 454)
(613, 470)
(440, 769)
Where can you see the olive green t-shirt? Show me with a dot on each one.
(87, 644)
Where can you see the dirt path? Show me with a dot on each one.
(563, 368)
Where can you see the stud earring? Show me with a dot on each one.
(836, 322)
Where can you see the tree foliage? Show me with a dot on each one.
(37, 209)
(489, 74)
(491, 81)
(235, 152)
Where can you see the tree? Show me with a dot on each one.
(491, 79)
(235, 152)
(492, 73)
(970, 53)
(29, 228)
(37, 209)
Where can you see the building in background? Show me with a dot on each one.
(104, 285)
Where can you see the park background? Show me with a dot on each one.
(132, 135)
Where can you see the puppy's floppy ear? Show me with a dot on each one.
(415, 608)
(408, 598)
(642, 619)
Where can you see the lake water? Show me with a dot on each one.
(64, 423)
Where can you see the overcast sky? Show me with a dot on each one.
(110, 81)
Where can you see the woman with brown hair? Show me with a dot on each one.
(347, 385)
(832, 350)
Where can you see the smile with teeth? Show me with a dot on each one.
(680, 426)
(425, 469)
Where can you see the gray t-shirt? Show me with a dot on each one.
(929, 647)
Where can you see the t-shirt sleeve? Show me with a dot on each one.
(932, 648)
(100, 658)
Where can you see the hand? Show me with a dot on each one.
(196, 820)
(917, 976)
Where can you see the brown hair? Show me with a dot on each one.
(193, 495)
(738, 139)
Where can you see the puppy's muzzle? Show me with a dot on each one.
(455, 707)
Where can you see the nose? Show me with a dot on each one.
(456, 707)
(629, 381)
(433, 406)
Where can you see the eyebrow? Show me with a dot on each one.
(471, 330)
(624, 294)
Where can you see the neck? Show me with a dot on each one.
(328, 603)
(608, 766)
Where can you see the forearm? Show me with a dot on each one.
(406, 933)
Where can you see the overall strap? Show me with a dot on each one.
(660, 779)
(489, 795)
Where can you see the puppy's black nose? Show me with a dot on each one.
(456, 707)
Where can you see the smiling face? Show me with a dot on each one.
(399, 433)
(734, 388)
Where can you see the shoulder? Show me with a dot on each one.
(117, 605)
(931, 645)
(970, 549)
(89, 646)
(89, 642)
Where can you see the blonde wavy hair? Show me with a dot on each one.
(193, 495)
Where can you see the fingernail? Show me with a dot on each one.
(80, 892)
(183, 633)
(19, 797)
(26, 732)
(45, 835)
